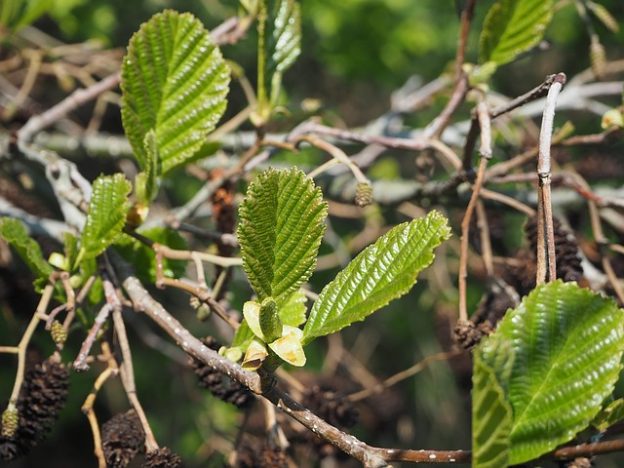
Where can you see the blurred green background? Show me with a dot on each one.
(355, 53)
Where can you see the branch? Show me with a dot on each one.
(545, 230)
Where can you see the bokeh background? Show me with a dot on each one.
(355, 54)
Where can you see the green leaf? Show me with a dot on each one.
(293, 312)
(279, 45)
(382, 272)
(568, 344)
(148, 181)
(143, 258)
(174, 82)
(106, 216)
(491, 412)
(14, 232)
(15, 14)
(612, 414)
(280, 231)
(243, 336)
(512, 27)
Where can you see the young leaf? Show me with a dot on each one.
(382, 272)
(612, 414)
(16, 235)
(107, 215)
(279, 45)
(567, 343)
(293, 313)
(148, 181)
(280, 231)
(512, 27)
(491, 412)
(174, 81)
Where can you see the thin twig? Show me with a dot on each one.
(546, 258)
(405, 374)
(486, 154)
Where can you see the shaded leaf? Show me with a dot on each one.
(567, 343)
(107, 215)
(612, 414)
(491, 412)
(512, 27)
(280, 230)
(382, 272)
(174, 82)
(14, 232)
(148, 181)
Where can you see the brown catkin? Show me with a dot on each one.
(162, 458)
(122, 439)
(220, 385)
(43, 395)
(566, 249)
(331, 406)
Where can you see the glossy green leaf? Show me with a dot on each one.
(491, 412)
(612, 414)
(107, 215)
(293, 312)
(279, 45)
(280, 231)
(568, 344)
(148, 181)
(16, 235)
(382, 272)
(174, 82)
(512, 27)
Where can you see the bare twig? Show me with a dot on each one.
(545, 232)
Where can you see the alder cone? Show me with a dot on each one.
(566, 249)
(331, 406)
(162, 458)
(122, 439)
(220, 385)
(43, 395)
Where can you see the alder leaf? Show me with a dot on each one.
(512, 27)
(612, 414)
(491, 412)
(382, 272)
(106, 216)
(567, 343)
(279, 45)
(14, 232)
(293, 312)
(280, 230)
(174, 81)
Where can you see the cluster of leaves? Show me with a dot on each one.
(539, 380)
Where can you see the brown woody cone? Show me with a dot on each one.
(220, 385)
(42, 397)
(122, 439)
(331, 406)
(162, 458)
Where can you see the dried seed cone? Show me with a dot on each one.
(332, 407)
(363, 194)
(566, 250)
(58, 333)
(42, 397)
(220, 385)
(122, 439)
(10, 421)
(272, 458)
(162, 458)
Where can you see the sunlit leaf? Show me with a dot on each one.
(382, 272)
(174, 83)
(107, 215)
(512, 27)
(567, 343)
(280, 230)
